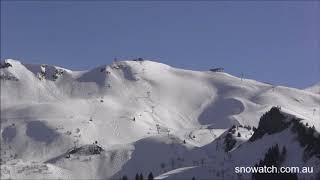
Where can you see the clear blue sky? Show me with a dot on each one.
(277, 42)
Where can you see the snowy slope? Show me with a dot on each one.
(137, 111)
(314, 89)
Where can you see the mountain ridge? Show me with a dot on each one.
(137, 111)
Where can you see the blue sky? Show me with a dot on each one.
(276, 42)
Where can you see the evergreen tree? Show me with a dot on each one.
(162, 165)
(150, 176)
(229, 142)
(254, 129)
(239, 135)
(137, 177)
(273, 158)
(124, 177)
(193, 178)
(283, 153)
(318, 176)
(141, 176)
(307, 139)
(271, 122)
(172, 163)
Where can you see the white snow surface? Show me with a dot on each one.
(147, 116)
(314, 88)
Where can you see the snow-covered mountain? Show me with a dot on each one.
(314, 88)
(142, 116)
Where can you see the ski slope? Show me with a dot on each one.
(147, 117)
